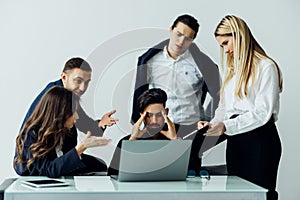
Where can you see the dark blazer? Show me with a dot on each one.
(84, 123)
(206, 66)
(52, 166)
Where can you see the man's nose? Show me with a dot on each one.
(154, 119)
(82, 87)
(181, 39)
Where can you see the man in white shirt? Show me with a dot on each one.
(177, 66)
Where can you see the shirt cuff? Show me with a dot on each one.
(230, 126)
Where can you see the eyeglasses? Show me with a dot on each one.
(203, 174)
(179, 35)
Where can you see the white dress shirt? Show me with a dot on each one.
(182, 81)
(257, 108)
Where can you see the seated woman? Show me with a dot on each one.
(41, 146)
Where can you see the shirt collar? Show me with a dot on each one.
(182, 56)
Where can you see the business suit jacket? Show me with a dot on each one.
(52, 166)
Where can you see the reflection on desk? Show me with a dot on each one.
(97, 187)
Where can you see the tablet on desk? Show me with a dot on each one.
(45, 183)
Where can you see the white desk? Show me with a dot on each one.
(102, 187)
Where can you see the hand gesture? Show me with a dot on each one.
(171, 132)
(91, 141)
(94, 141)
(107, 120)
(136, 133)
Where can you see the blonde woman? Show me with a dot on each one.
(249, 106)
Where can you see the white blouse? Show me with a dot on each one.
(257, 108)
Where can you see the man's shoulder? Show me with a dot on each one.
(123, 138)
(152, 51)
(49, 86)
(55, 83)
(126, 137)
(194, 48)
(199, 56)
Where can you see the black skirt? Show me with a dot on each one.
(255, 156)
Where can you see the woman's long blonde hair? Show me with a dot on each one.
(47, 121)
(247, 53)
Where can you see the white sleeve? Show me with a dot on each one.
(266, 100)
(220, 112)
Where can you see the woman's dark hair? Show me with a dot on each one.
(48, 123)
(151, 96)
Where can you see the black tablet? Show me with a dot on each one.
(45, 183)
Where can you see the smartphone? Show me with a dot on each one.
(200, 131)
(45, 183)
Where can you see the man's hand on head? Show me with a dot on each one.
(136, 132)
(171, 132)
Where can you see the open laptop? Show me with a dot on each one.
(154, 160)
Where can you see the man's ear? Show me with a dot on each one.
(63, 76)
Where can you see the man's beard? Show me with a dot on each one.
(153, 129)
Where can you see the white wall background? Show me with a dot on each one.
(37, 37)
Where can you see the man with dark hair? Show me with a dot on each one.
(76, 77)
(151, 96)
(189, 21)
(151, 106)
(177, 66)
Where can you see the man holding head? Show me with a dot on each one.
(177, 66)
(76, 77)
(153, 115)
